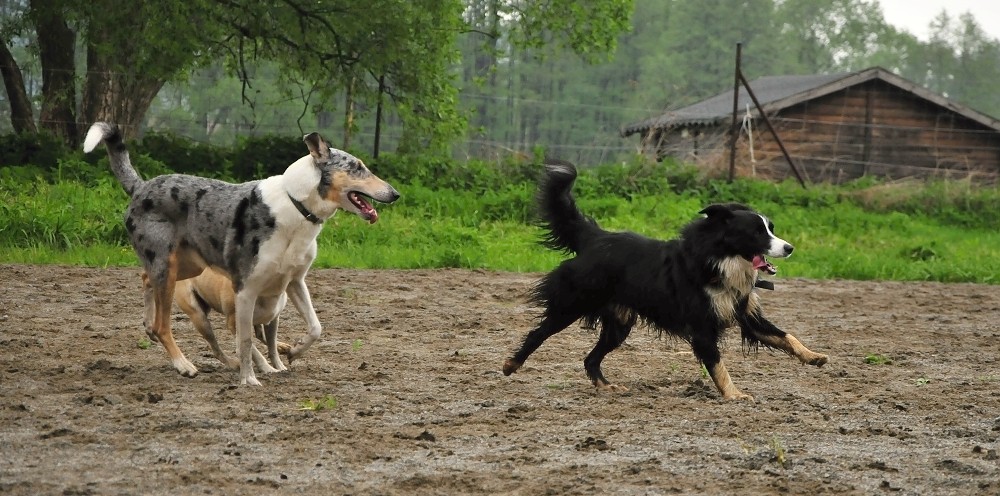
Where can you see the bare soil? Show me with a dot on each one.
(412, 361)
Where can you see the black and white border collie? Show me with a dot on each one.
(693, 287)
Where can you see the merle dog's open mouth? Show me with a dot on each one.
(365, 209)
(761, 263)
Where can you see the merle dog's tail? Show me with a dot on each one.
(568, 229)
(121, 165)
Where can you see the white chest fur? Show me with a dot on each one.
(737, 281)
(290, 250)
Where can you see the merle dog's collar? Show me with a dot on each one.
(311, 217)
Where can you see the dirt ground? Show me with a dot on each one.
(412, 360)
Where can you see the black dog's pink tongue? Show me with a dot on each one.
(761, 263)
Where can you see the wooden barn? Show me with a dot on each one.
(836, 127)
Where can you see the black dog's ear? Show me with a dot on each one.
(738, 206)
(317, 145)
(718, 211)
(724, 211)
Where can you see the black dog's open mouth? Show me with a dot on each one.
(365, 209)
(761, 263)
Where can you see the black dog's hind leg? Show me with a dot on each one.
(756, 329)
(564, 302)
(616, 324)
(705, 345)
(553, 322)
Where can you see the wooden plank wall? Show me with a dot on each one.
(905, 136)
(869, 129)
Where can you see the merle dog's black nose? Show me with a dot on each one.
(788, 249)
(394, 195)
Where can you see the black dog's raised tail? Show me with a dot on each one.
(567, 226)
(121, 164)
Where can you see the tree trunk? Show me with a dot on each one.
(56, 42)
(349, 114)
(378, 115)
(115, 93)
(21, 116)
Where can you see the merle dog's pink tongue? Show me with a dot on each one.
(367, 210)
(761, 263)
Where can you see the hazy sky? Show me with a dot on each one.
(915, 15)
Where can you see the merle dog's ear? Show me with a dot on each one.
(317, 145)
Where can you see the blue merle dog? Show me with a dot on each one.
(262, 234)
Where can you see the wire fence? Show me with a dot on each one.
(586, 133)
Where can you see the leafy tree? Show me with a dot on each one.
(831, 35)
(959, 60)
(325, 50)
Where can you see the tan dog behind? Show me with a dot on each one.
(212, 290)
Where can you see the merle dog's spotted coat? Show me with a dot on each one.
(261, 234)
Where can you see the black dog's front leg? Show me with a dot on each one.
(706, 349)
(756, 329)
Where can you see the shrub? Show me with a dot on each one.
(259, 157)
(185, 156)
(41, 149)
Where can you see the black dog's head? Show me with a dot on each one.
(734, 229)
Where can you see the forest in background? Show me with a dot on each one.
(471, 78)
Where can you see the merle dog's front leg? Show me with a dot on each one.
(758, 330)
(246, 301)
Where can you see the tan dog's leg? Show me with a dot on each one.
(299, 294)
(187, 301)
(163, 296)
(271, 339)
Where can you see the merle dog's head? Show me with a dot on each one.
(734, 229)
(345, 181)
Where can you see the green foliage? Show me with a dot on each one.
(877, 359)
(780, 453)
(42, 150)
(475, 216)
(587, 28)
(328, 402)
(255, 158)
(63, 215)
(442, 173)
(186, 156)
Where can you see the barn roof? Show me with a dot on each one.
(779, 92)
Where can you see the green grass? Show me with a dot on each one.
(877, 359)
(936, 232)
(326, 403)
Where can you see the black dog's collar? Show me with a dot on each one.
(311, 217)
